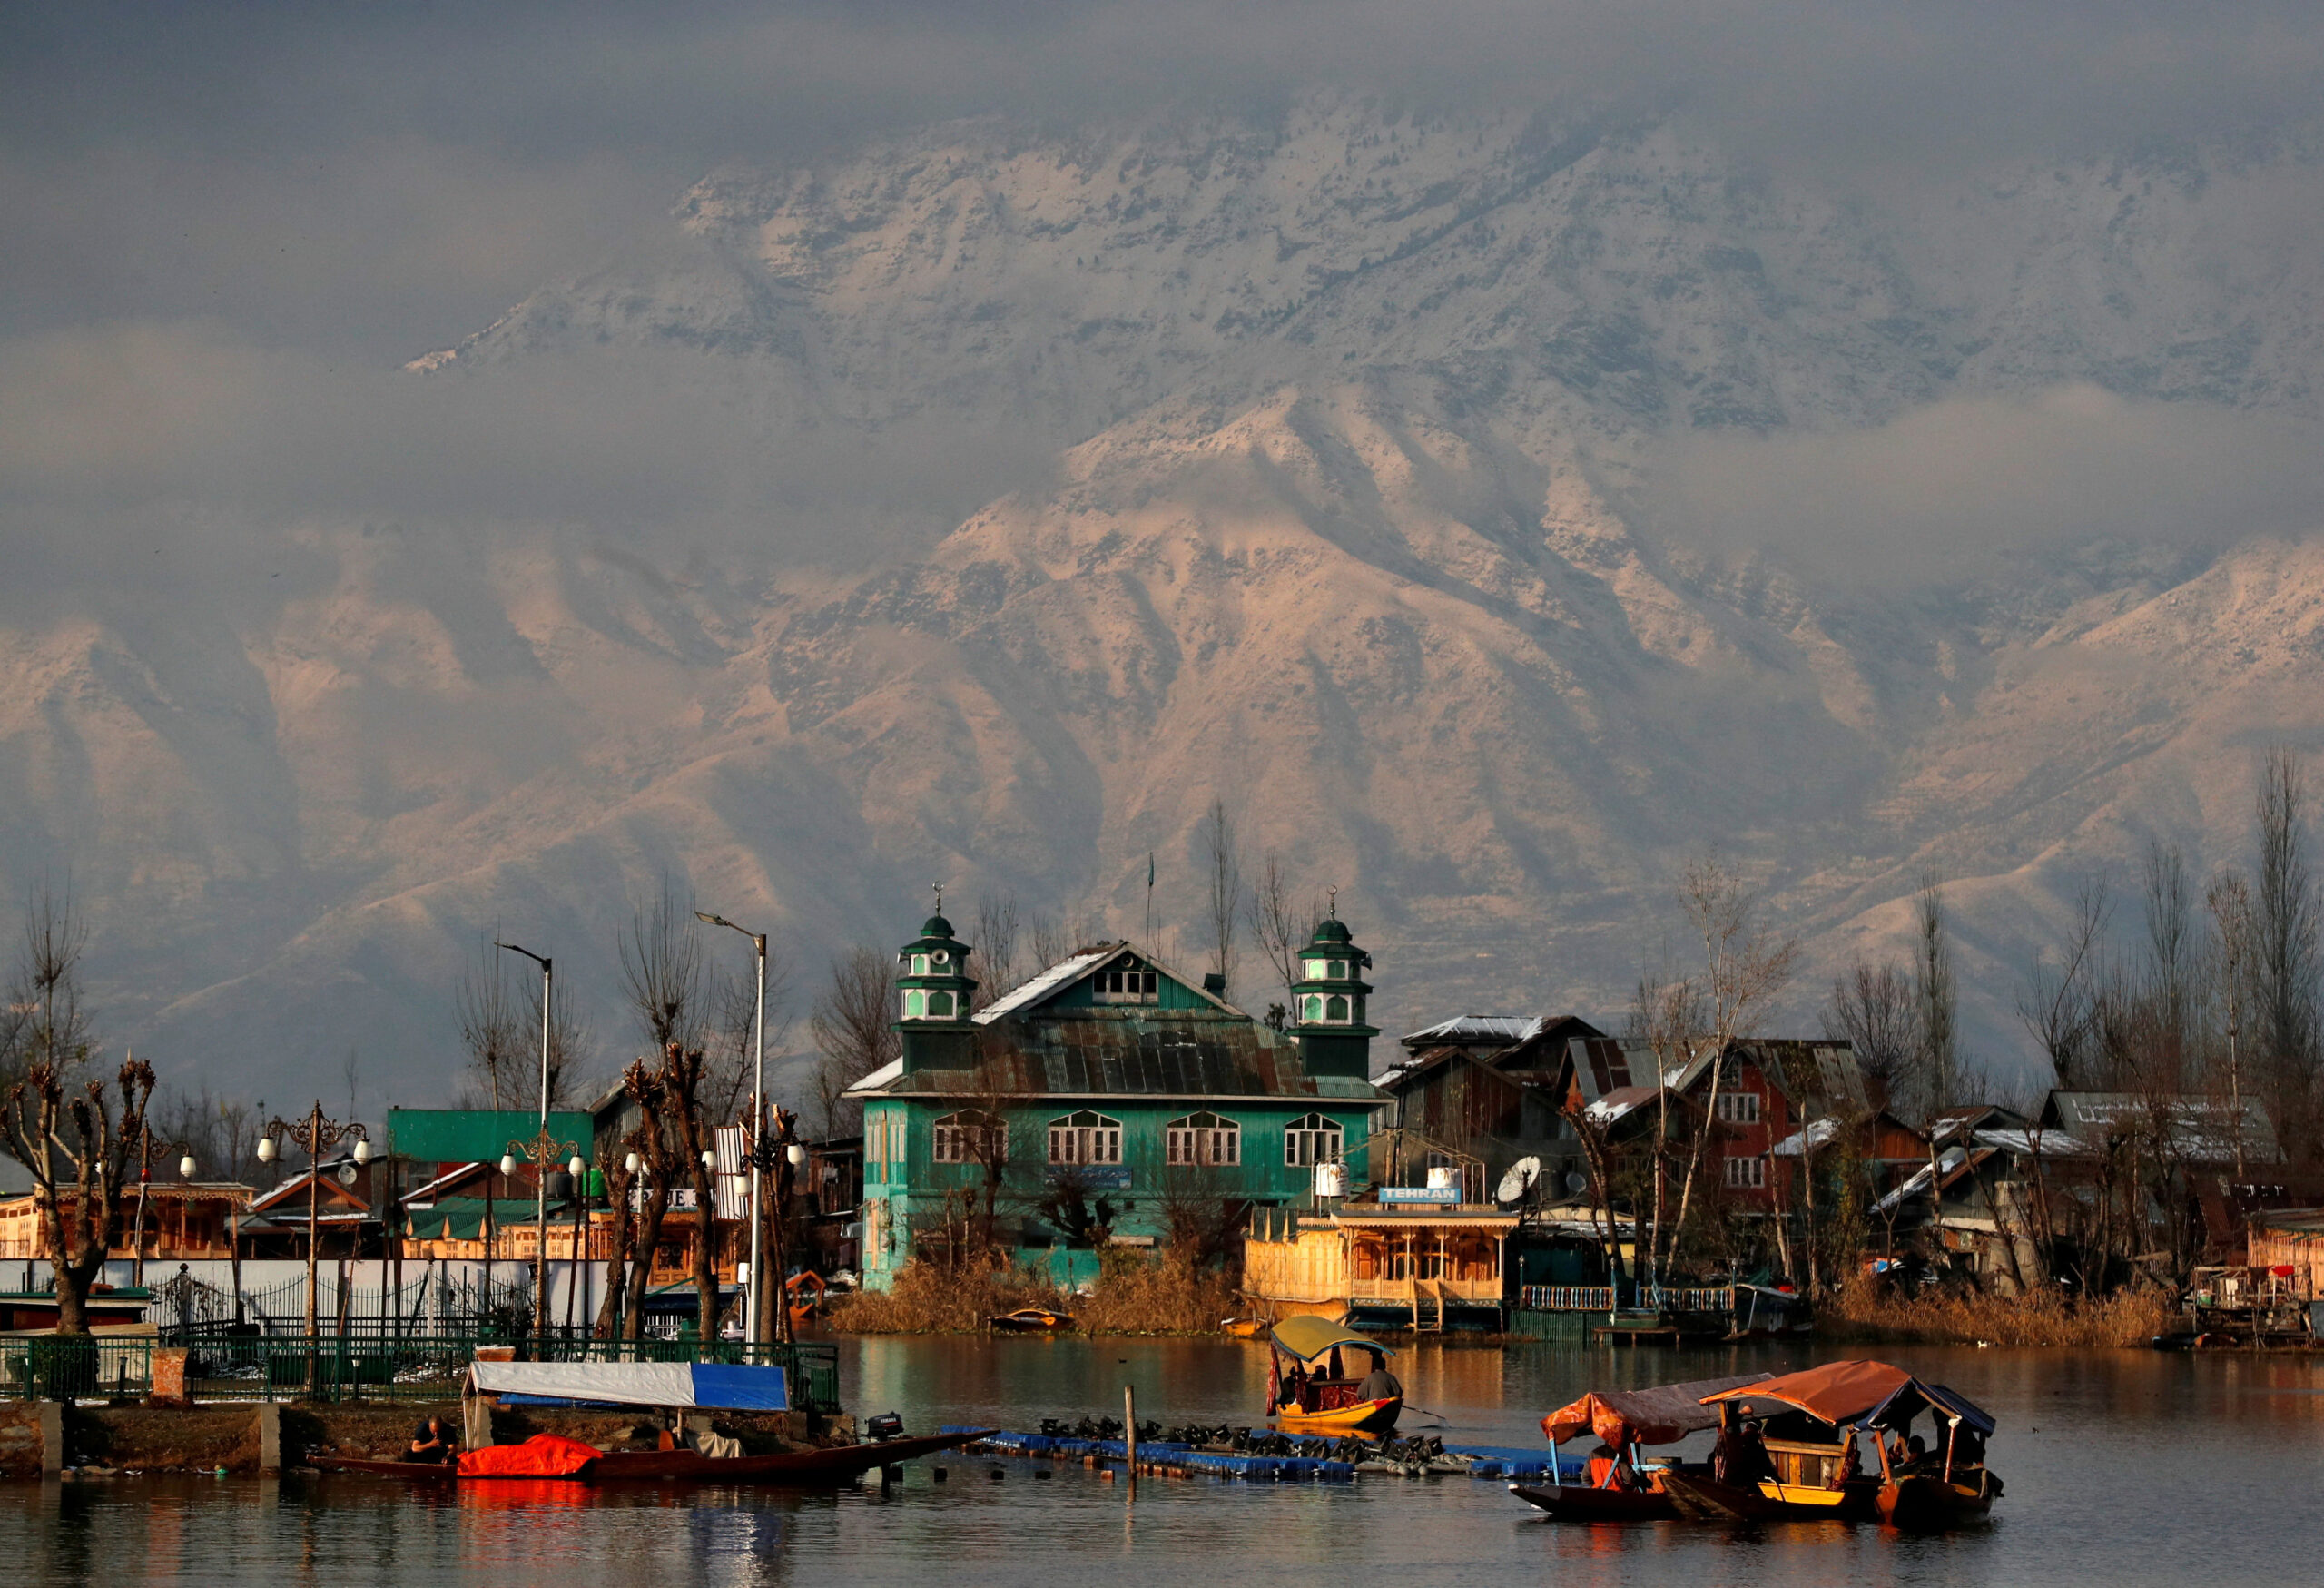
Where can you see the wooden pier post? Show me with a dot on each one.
(1129, 1428)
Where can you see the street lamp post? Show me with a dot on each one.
(148, 1147)
(543, 1147)
(315, 1136)
(758, 1117)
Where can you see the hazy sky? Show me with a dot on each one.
(231, 224)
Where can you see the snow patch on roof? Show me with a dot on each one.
(879, 1080)
(1057, 975)
(1472, 1028)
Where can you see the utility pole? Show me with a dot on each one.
(760, 1315)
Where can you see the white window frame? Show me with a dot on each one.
(1313, 1139)
(1740, 1106)
(915, 1003)
(1128, 983)
(1203, 1141)
(1746, 1173)
(1084, 1138)
(966, 1135)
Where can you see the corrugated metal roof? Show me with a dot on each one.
(1128, 1052)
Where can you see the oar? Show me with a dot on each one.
(1424, 1412)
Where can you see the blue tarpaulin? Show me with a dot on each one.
(703, 1385)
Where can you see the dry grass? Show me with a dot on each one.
(1134, 1295)
(1865, 1310)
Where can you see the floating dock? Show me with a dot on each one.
(1162, 1458)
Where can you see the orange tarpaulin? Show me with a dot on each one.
(544, 1455)
(1836, 1393)
(1663, 1414)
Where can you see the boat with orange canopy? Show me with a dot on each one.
(1622, 1486)
(1787, 1448)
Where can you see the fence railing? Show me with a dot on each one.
(50, 1367)
(1566, 1297)
(357, 1367)
(1601, 1297)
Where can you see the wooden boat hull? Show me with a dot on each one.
(1244, 1328)
(1050, 1323)
(1363, 1417)
(795, 1468)
(1930, 1504)
(1708, 1500)
(1574, 1503)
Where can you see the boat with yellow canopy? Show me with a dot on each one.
(1315, 1374)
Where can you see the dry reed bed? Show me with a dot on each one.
(2126, 1318)
(1135, 1296)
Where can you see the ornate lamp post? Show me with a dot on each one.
(542, 1152)
(771, 1152)
(315, 1136)
(758, 1113)
(150, 1146)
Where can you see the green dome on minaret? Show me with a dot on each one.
(1327, 1001)
(934, 994)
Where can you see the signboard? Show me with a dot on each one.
(1094, 1177)
(1437, 1196)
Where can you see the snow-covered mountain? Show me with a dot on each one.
(1345, 435)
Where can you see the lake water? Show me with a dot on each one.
(2123, 1469)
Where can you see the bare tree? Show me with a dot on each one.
(999, 934)
(2228, 902)
(76, 1139)
(733, 1003)
(1933, 995)
(491, 1026)
(1871, 1009)
(1667, 1015)
(1280, 922)
(1053, 939)
(2172, 950)
(660, 1169)
(852, 1025)
(662, 971)
(1225, 870)
(2057, 1003)
(1744, 966)
(2285, 912)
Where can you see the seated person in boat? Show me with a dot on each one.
(1740, 1458)
(1379, 1385)
(433, 1444)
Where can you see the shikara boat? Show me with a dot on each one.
(1788, 1448)
(671, 1387)
(1622, 1486)
(1943, 1490)
(1309, 1389)
(799, 1468)
(1031, 1320)
(1244, 1329)
(803, 1295)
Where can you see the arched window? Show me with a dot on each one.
(1319, 970)
(1311, 1139)
(1204, 1140)
(940, 1006)
(1084, 1138)
(915, 1003)
(1335, 1008)
(971, 1136)
(1311, 1008)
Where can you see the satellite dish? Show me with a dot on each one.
(347, 1174)
(1576, 1181)
(1518, 1180)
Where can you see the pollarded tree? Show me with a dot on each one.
(77, 1138)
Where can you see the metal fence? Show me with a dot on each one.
(356, 1367)
(51, 1368)
(1601, 1298)
(1566, 1297)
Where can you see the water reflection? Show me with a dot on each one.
(2123, 1469)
